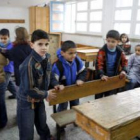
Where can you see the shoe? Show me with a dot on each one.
(11, 97)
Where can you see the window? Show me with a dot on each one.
(96, 4)
(95, 25)
(56, 16)
(82, 16)
(122, 27)
(70, 15)
(123, 15)
(82, 6)
(96, 16)
(76, 17)
(89, 16)
(137, 27)
(124, 3)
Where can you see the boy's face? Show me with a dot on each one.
(112, 43)
(137, 50)
(70, 54)
(41, 46)
(4, 39)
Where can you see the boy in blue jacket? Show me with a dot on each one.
(9, 69)
(36, 76)
(69, 70)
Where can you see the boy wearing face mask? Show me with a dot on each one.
(111, 60)
(8, 69)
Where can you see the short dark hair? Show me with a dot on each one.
(39, 34)
(4, 32)
(138, 45)
(124, 35)
(67, 45)
(113, 34)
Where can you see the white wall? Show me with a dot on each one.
(84, 39)
(14, 13)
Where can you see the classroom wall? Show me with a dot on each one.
(14, 13)
(84, 39)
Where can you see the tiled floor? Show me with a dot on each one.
(10, 132)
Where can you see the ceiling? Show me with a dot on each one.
(22, 3)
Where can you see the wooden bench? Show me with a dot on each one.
(75, 92)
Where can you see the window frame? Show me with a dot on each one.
(56, 12)
(88, 19)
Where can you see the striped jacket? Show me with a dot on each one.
(101, 61)
(35, 77)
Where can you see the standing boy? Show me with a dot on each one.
(36, 76)
(69, 70)
(9, 69)
(111, 60)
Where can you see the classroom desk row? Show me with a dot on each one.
(116, 117)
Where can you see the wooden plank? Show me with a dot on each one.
(12, 21)
(115, 111)
(92, 128)
(64, 117)
(89, 88)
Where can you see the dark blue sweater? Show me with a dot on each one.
(18, 54)
(111, 62)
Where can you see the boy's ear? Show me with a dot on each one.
(31, 44)
(62, 53)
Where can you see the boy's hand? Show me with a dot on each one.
(122, 75)
(51, 95)
(79, 82)
(59, 87)
(104, 78)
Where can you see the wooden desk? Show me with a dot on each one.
(116, 117)
(87, 55)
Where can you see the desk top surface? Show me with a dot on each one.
(88, 50)
(113, 111)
